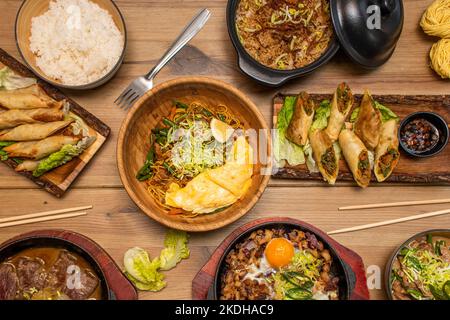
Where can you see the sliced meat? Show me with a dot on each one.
(9, 282)
(31, 273)
(65, 275)
(83, 285)
(58, 272)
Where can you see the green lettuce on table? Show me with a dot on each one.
(145, 273)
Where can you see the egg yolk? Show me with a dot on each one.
(279, 252)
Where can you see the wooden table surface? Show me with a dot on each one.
(116, 223)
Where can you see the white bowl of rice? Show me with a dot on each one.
(74, 44)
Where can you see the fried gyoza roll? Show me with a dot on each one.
(368, 123)
(357, 157)
(302, 119)
(32, 97)
(325, 155)
(31, 132)
(27, 165)
(13, 118)
(39, 149)
(386, 154)
(340, 108)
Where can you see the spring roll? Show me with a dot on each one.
(386, 153)
(27, 165)
(357, 157)
(13, 118)
(32, 97)
(325, 155)
(37, 150)
(298, 129)
(31, 132)
(340, 108)
(368, 124)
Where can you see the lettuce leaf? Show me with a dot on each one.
(321, 117)
(175, 249)
(11, 81)
(66, 154)
(145, 273)
(283, 148)
(3, 153)
(142, 271)
(354, 115)
(386, 113)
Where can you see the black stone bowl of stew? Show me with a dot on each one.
(39, 259)
(423, 134)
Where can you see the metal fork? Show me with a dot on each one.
(143, 84)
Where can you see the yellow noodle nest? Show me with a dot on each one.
(436, 19)
(440, 58)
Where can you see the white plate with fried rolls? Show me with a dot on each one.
(352, 137)
(43, 134)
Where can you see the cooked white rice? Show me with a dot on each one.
(76, 42)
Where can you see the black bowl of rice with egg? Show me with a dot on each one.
(74, 44)
(282, 259)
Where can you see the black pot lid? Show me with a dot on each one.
(368, 30)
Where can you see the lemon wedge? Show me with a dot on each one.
(221, 131)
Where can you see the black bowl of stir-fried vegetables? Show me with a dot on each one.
(419, 269)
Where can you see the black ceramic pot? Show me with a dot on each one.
(367, 30)
(115, 286)
(260, 72)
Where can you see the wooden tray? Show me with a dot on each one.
(59, 180)
(119, 286)
(434, 170)
(204, 280)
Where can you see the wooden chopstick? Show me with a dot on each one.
(42, 219)
(43, 214)
(395, 204)
(389, 222)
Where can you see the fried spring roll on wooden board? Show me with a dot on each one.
(368, 124)
(341, 106)
(325, 155)
(31, 132)
(302, 119)
(13, 118)
(32, 97)
(27, 165)
(357, 157)
(387, 155)
(39, 149)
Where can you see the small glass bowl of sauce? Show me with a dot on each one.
(423, 134)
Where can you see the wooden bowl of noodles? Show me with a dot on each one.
(149, 121)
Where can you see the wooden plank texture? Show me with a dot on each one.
(115, 222)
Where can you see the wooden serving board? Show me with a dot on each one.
(204, 280)
(59, 179)
(433, 170)
(119, 286)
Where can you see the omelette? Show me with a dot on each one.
(216, 188)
